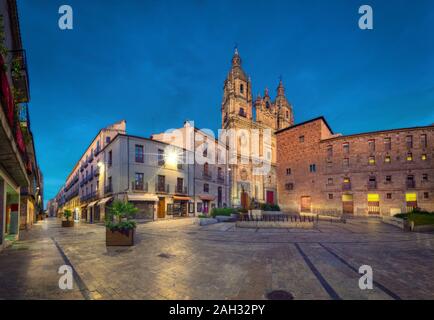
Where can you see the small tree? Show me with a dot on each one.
(120, 214)
(67, 214)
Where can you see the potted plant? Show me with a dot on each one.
(67, 222)
(120, 228)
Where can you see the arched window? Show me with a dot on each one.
(241, 88)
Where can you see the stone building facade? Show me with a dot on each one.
(374, 173)
(241, 113)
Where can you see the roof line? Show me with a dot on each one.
(306, 122)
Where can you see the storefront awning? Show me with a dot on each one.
(206, 197)
(92, 203)
(104, 201)
(142, 197)
(180, 198)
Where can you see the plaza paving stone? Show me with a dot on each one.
(177, 259)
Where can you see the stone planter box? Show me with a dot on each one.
(67, 224)
(119, 237)
(275, 224)
(424, 228)
(225, 219)
(206, 221)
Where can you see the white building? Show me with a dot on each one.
(210, 170)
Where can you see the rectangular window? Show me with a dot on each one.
(312, 168)
(423, 157)
(387, 144)
(288, 171)
(409, 141)
(346, 147)
(388, 179)
(330, 151)
(346, 162)
(199, 207)
(371, 160)
(179, 185)
(389, 196)
(110, 158)
(138, 183)
(387, 159)
(206, 187)
(371, 144)
(139, 153)
(160, 157)
(301, 138)
(330, 196)
(424, 177)
(289, 186)
(330, 181)
(426, 195)
(423, 141)
(107, 140)
(409, 156)
(161, 183)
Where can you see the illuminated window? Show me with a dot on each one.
(371, 160)
(409, 156)
(423, 157)
(346, 180)
(387, 159)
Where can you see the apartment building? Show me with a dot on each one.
(82, 189)
(373, 173)
(20, 176)
(211, 185)
(151, 174)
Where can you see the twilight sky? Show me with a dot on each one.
(158, 63)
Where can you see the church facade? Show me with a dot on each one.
(242, 114)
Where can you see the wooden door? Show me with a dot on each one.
(244, 200)
(270, 197)
(305, 204)
(347, 204)
(161, 208)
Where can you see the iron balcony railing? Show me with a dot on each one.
(411, 184)
(220, 179)
(180, 189)
(372, 185)
(20, 76)
(162, 188)
(108, 189)
(135, 186)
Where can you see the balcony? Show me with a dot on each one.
(180, 189)
(346, 186)
(220, 179)
(96, 173)
(20, 76)
(108, 189)
(206, 175)
(97, 151)
(372, 185)
(410, 184)
(88, 197)
(140, 187)
(162, 188)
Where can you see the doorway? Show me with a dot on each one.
(306, 203)
(347, 204)
(373, 203)
(244, 200)
(161, 213)
(270, 197)
(411, 201)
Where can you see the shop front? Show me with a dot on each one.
(206, 201)
(180, 206)
(146, 205)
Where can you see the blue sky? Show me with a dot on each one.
(158, 63)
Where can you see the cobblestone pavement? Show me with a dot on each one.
(176, 259)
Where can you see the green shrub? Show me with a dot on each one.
(67, 214)
(201, 216)
(222, 212)
(119, 215)
(242, 210)
(269, 207)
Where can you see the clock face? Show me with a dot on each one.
(243, 174)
